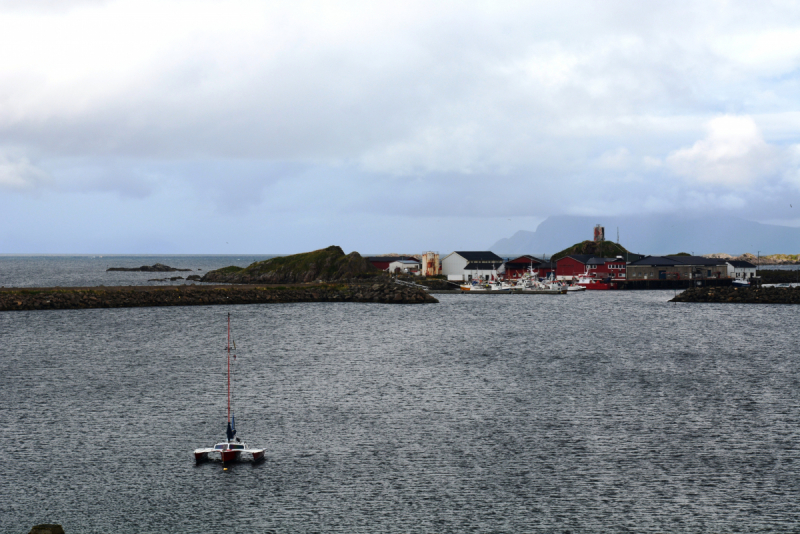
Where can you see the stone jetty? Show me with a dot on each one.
(740, 295)
(61, 298)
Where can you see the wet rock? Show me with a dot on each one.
(47, 529)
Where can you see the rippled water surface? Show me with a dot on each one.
(597, 412)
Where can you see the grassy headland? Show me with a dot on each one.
(328, 265)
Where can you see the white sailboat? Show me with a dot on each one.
(232, 449)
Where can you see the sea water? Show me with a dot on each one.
(596, 412)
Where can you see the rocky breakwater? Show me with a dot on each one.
(193, 295)
(740, 295)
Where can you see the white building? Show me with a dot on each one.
(741, 269)
(471, 265)
(404, 266)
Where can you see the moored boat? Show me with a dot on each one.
(232, 449)
(588, 281)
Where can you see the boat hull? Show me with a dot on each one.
(229, 456)
(598, 286)
(541, 291)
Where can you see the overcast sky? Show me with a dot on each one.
(238, 126)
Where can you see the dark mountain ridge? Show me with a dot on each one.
(657, 234)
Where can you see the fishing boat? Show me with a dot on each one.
(588, 281)
(532, 286)
(232, 449)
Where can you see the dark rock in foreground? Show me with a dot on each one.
(328, 264)
(191, 295)
(47, 529)
(157, 268)
(740, 295)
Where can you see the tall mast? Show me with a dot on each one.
(229, 369)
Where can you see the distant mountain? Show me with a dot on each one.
(657, 234)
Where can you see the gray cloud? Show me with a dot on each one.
(458, 109)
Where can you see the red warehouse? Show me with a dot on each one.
(576, 265)
(514, 269)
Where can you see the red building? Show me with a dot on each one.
(576, 265)
(514, 269)
(382, 262)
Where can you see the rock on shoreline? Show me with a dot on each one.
(12, 299)
(49, 528)
(157, 268)
(740, 295)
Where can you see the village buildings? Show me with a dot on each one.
(486, 265)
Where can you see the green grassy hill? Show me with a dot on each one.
(601, 249)
(327, 264)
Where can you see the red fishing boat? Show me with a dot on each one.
(232, 449)
(588, 281)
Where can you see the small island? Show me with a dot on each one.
(157, 268)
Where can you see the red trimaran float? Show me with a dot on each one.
(233, 448)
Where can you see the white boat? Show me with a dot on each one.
(741, 282)
(232, 449)
(534, 286)
(472, 285)
(477, 286)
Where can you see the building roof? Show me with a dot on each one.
(481, 256)
(741, 264)
(388, 258)
(583, 258)
(603, 261)
(670, 261)
(407, 262)
(656, 260)
(699, 260)
(525, 260)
